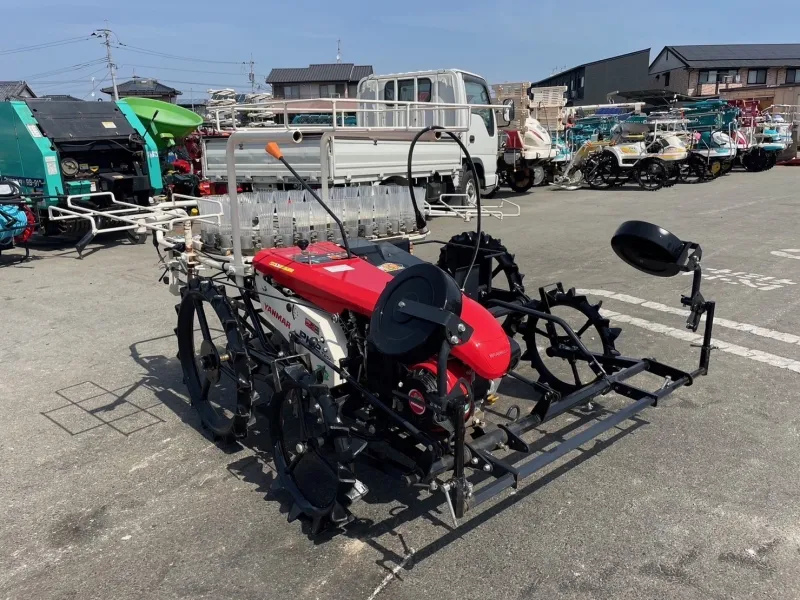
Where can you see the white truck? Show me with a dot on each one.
(393, 106)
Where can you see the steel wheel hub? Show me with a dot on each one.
(210, 361)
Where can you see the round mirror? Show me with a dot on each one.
(648, 248)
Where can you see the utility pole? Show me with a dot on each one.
(252, 75)
(106, 34)
(338, 51)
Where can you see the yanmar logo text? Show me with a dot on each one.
(279, 317)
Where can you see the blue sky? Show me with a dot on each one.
(505, 40)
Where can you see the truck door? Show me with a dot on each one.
(481, 139)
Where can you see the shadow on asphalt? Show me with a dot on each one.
(46, 247)
(164, 378)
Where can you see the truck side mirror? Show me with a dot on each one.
(509, 111)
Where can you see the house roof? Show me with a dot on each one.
(142, 86)
(13, 89)
(736, 55)
(594, 62)
(61, 97)
(321, 73)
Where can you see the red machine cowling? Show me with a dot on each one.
(513, 140)
(324, 276)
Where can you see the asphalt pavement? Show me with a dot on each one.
(110, 488)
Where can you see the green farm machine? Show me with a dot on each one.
(75, 161)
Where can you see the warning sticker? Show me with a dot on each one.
(52, 166)
(339, 268)
(281, 267)
(389, 267)
(109, 124)
(34, 129)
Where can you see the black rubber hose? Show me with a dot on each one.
(421, 224)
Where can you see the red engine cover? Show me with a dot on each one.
(325, 277)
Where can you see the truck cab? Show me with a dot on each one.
(448, 86)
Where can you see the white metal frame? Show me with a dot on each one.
(240, 266)
(160, 217)
(440, 208)
(347, 105)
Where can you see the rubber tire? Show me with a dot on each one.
(524, 187)
(609, 179)
(646, 163)
(539, 175)
(467, 179)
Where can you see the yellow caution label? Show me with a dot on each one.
(272, 263)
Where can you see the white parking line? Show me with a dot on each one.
(393, 574)
(787, 253)
(788, 338)
(686, 335)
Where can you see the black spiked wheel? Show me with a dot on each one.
(651, 173)
(693, 170)
(455, 257)
(756, 160)
(727, 166)
(313, 467)
(553, 354)
(674, 174)
(214, 360)
(601, 172)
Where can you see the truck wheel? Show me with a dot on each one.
(521, 181)
(538, 175)
(469, 188)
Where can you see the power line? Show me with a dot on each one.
(96, 86)
(44, 45)
(242, 84)
(76, 67)
(82, 79)
(138, 50)
(183, 70)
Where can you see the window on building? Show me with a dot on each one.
(666, 80)
(757, 76)
(324, 91)
(791, 76)
(581, 81)
(291, 91)
(714, 76)
(424, 87)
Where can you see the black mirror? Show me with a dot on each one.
(654, 250)
(509, 112)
